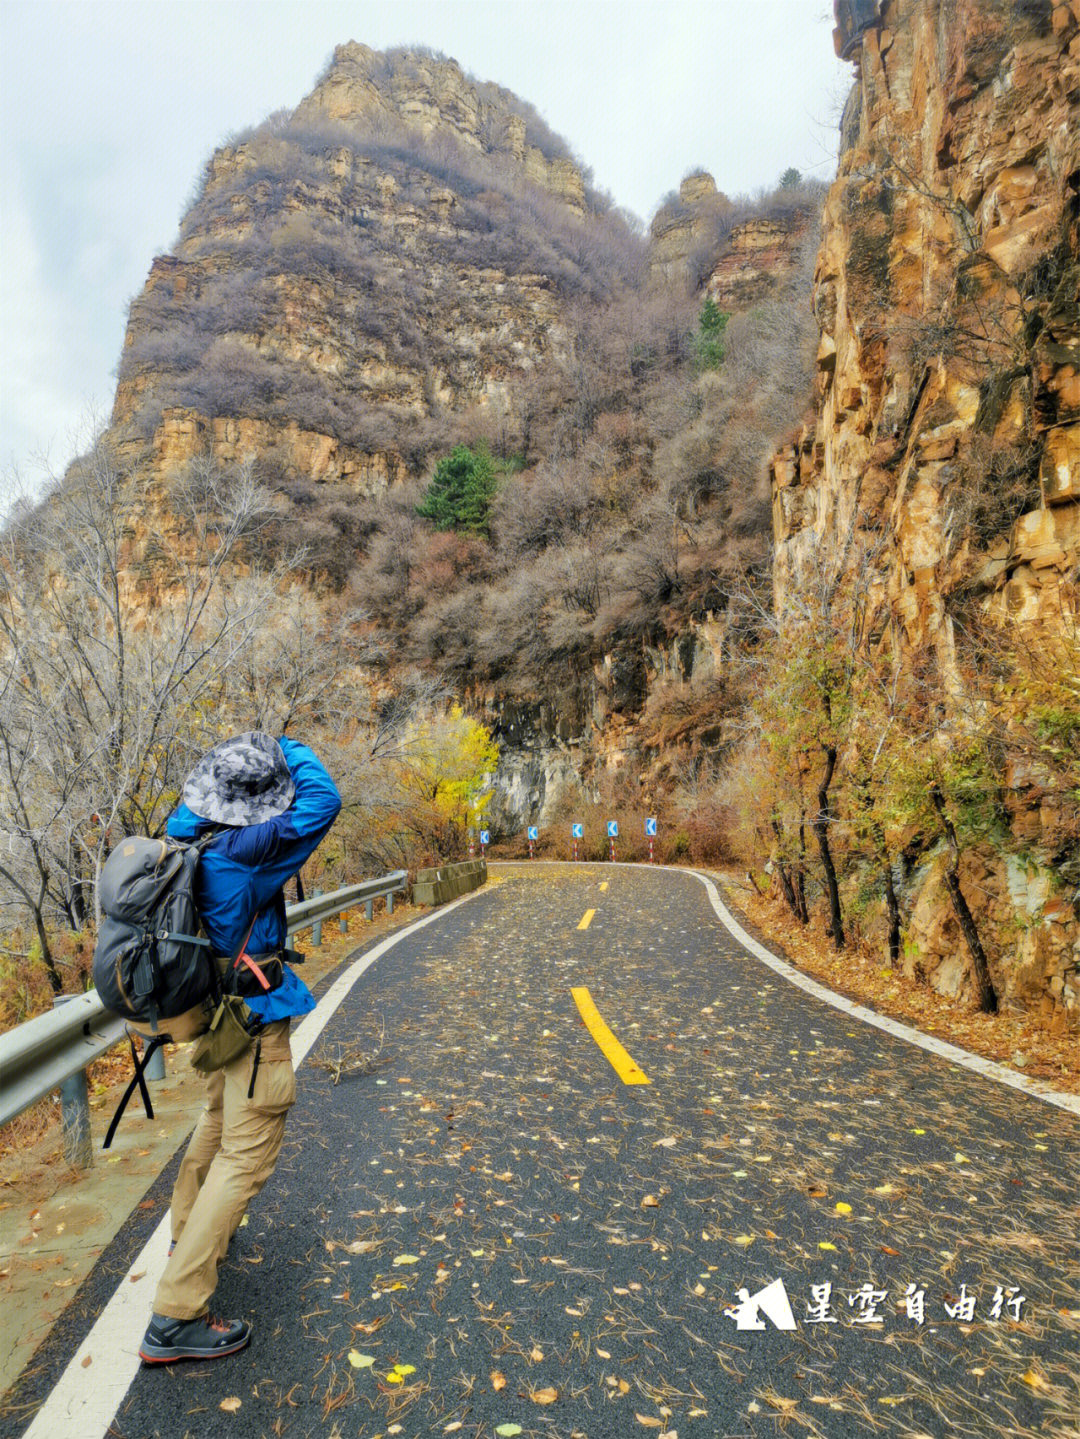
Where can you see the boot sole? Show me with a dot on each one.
(171, 1355)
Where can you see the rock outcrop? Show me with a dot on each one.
(398, 249)
(757, 256)
(942, 474)
(684, 231)
(433, 95)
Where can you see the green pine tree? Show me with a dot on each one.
(461, 491)
(712, 322)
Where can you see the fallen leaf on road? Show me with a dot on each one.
(650, 1201)
(648, 1421)
(361, 1361)
(508, 1431)
(544, 1396)
(407, 1259)
(88, 1361)
(779, 1402)
(498, 1380)
(230, 1405)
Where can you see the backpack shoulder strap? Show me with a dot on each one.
(207, 838)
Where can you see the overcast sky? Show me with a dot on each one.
(110, 108)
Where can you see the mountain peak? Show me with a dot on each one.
(428, 93)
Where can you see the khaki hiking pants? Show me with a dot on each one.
(231, 1155)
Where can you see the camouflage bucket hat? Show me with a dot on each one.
(243, 780)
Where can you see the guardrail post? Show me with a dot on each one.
(155, 1069)
(390, 902)
(369, 910)
(343, 923)
(75, 1111)
(316, 928)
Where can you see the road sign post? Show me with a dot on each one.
(485, 840)
(577, 831)
(613, 834)
(650, 834)
(534, 835)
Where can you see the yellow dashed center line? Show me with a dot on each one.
(610, 1047)
(586, 919)
(603, 887)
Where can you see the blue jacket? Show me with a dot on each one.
(243, 870)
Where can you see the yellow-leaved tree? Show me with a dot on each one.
(445, 770)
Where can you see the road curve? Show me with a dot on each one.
(497, 1232)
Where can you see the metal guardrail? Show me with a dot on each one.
(44, 1053)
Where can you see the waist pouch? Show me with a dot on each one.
(233, 1028)
(252, 973)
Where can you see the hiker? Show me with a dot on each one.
(274, 802)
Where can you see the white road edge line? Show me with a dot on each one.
(987, 1068)
(85, 1400)
(952, 1052)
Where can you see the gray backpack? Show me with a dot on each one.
(152, 961)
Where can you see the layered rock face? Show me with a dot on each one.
(683, 230)
(433, 94)
(941, 477)
(352, 272)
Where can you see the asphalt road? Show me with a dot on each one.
(492, 1229)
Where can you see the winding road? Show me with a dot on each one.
(608, 1174)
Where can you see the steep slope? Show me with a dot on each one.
(936, 497)
(409, 261)
(396, 251)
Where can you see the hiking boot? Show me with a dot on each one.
(169, 1339)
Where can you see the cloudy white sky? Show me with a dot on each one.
(108, 109)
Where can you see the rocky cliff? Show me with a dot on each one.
(940, 480)
(411, 259)
(398, 250)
